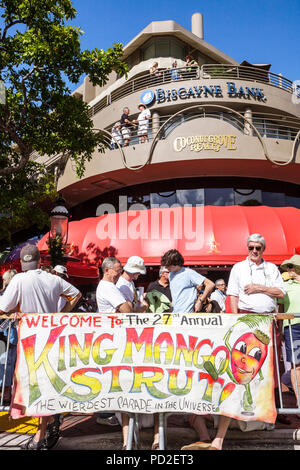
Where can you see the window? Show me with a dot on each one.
(248, 197)
(190, 196)
(163, 47)
(219, 197)
(167, 197)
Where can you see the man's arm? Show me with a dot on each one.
(234, 301)
(126, 307)
(208, 288)
(259, 289)
(70, 304)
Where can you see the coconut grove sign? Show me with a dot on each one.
(161, 95)
(145, 363)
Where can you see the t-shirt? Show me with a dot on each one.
(183, 289)
(122, 120)
(36, 291)
(108, 297)
(127, 288)
(219, 297)
(143, 117)
(157, 286)
(291, 301)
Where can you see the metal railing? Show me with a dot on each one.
(268, 125)
(205, 72)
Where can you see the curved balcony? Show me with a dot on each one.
(268, 125)
(206, 71)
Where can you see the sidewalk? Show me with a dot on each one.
(81, 432)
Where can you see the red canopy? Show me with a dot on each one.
(205, 235)
(79, 272)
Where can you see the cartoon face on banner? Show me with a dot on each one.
(247, 356)
(145, 363)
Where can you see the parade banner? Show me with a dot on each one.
(145, 363)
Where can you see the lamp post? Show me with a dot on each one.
(58, 233)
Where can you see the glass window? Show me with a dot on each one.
(292, 201)
(149, 51)
(248, 197)
(167, 197)
(162, 48)
(273, 199)
(177, 50)
(190, 196)
(219, 197)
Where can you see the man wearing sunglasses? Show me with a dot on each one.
(255, 284)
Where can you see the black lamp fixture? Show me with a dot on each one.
(59, 221)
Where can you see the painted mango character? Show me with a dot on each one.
(246, 359)
(248, 355)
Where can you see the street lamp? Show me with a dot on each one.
(59, 218)
(58, 233)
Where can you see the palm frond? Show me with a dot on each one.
(254, 321)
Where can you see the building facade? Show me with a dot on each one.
(222, 134)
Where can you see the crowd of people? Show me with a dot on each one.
(254, 286)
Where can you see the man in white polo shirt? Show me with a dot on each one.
(254, 284)
(109, 298)
(37, 291)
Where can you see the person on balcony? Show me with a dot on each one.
(175, 74)
(191, 64)
(155, 74)
(126, 125)
(143, 123)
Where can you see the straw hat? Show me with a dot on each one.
(295, 260)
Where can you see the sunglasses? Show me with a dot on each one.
(257, 248)
(290, 266)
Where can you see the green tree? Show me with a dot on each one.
(40, 54)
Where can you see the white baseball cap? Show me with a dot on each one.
(135, 264)
(61, 270)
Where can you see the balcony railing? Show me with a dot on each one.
(268, 125)
(205, 72)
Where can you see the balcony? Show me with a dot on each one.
(205, 72)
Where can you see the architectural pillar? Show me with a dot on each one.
(247, 128)
(155, 123)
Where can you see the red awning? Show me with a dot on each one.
(80, 273)
(206, 235)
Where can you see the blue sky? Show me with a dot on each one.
(260, 31)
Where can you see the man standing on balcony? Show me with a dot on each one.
(126, 124)
(143, 122)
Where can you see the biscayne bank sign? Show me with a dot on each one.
(161, 95)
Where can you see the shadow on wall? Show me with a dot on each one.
(93, 255)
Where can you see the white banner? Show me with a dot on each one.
(145, 363)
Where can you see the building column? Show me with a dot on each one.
(247, 128)
(155, 123)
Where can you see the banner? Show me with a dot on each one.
(145, 363)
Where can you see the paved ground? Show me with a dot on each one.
(81, 432)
